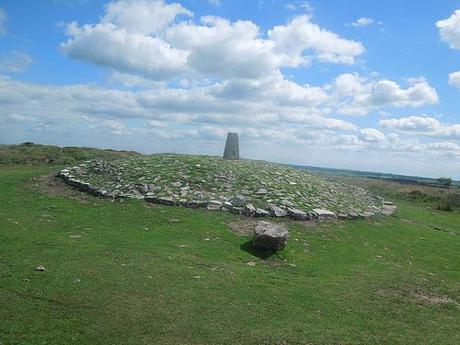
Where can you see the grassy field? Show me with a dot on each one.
(131, 273)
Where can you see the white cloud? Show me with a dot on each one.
(144, 55)
(367, 95)
(411, 123)
(454, 79)
(423, 125)
(3, 20)
(142, 16)
(146, 38)
(220, 48)
(372, 135)
(215, 2)
(363, 21)
(449, 29)
(14, 62)
(301, 35)
(302, 5)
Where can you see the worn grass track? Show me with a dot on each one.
(126, 273)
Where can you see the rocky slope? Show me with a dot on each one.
(245, 186)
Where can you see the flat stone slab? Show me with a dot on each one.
(323, 214)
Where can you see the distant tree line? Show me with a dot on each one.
(445, 181)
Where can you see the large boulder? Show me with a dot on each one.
(269, 236)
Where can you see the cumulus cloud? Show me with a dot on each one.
(411, 123)
(142, 16)
(454, 79)
(301, 35)
(14, 62)
(372, 135)
(162, 47)
(423, 125)
(366, 95)
(449, 29)
(3, 20)
(363, 21)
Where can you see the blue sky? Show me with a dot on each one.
(368, 85)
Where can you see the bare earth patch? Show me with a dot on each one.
(417, 296)
(52, 186)
(243, 227)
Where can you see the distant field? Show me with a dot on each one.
(132, 273)
(403, 179)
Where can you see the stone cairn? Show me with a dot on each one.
(232, 147)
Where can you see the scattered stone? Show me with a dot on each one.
(388, 208)
(238, 201)
(261, 191)
(353, 215)
(342, 216)
(40, 268)
(176, 180)
(277, 211)
(214, 205)
(251, 263)
(196, 203)
(323, 214)
(237, 210)
(269, 236)
(74, 237)
(297, 214)
(166, 201)
(249, 210)
(261, 213)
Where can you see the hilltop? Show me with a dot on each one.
(35, 154)
(181, 179)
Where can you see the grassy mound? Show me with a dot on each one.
(184, 177)
(35, 154)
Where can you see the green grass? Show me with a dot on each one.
(35, 154)
(129, 279)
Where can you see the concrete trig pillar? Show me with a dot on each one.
(232, 147)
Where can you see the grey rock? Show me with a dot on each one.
(353, 215)
(261, 213)
(151, 198)
(342, 216)
(277, 211)
(238, 201)
(227, 206)
(297, 214)
(214, 205)
(237, 210)
(388, 210)
(323, 214)
(167, 201)
(270, 236)
(261, 191)
(196, 203)
(249, 210)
